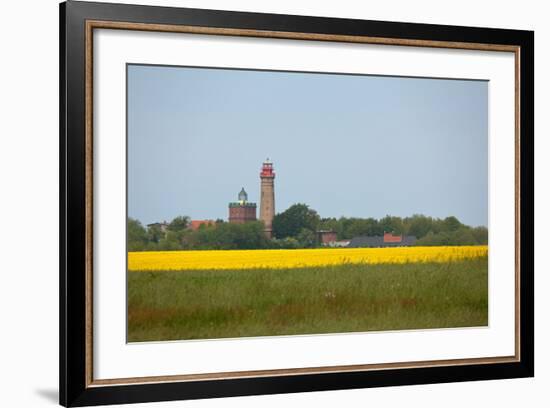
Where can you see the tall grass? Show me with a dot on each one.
(331, 299)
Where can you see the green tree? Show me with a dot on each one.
(179, 223)
(329, 224)
(249, 235)
(292, 221)
(154, 234)
(419, 225)
(481, 235)
(451, 224)
(392, 224)
(345, 226)
(152, 246)
(306, 238)
(435, 239)
(137, 235)
(463, 236)
(286, 243)
(364, 226)
(227, 236)
(170, 242)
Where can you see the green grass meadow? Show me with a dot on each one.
(333, 299)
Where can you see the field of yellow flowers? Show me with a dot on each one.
(296, 258)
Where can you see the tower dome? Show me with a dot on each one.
(242, 211)
(243, 196)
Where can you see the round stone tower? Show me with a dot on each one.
(267, 196)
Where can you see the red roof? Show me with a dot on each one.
(389, 237)
(195, 224)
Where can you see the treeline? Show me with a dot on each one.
(301, 223)
(221, 235)
(178, 236)
(428, 230)
(297, 227)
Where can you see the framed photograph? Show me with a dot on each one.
(256, 203)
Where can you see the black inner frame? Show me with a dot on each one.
(72, 300)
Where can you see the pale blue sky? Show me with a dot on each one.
(346, 145)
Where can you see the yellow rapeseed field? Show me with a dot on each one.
(295, 258)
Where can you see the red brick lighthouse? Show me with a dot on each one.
(267, 196)
(242, 210)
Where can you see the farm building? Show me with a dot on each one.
(163, 226)
(388, 240)
(325, 237)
